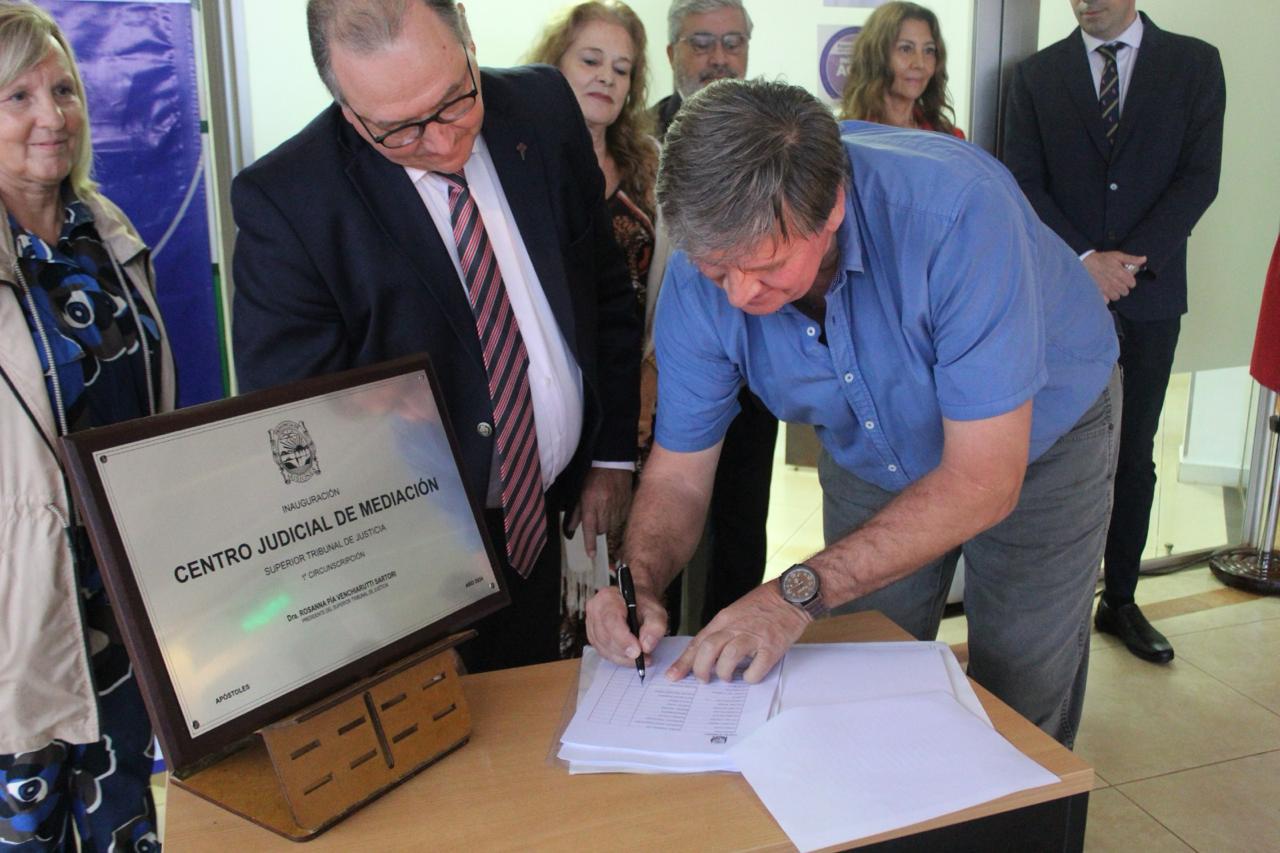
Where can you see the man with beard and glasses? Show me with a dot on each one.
(706, 40)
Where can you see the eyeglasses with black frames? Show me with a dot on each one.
(703, 43)
(411, 131)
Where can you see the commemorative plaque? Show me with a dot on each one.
(267, 551)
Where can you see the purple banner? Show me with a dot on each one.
(139, 66)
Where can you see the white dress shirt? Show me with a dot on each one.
(555, 379)
(1125, 59)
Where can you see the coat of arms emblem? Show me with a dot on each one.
(294, 451)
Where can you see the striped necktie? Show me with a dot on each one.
(1109, 89)
(507, 363)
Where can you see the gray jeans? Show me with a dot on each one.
(1029, 581)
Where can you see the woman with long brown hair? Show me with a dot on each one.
(898, 74)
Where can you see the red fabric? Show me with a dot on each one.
(924, 125)
(955, 131)
(1266, 345)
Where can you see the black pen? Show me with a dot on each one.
(633, 622)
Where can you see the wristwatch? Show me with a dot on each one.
(801, 586)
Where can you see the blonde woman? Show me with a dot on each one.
(81, 345)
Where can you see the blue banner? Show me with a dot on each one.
(139, 66)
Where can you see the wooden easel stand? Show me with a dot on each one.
(303, 774)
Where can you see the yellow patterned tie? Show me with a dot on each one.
(1109, 89)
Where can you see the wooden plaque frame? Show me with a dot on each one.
(183, 752)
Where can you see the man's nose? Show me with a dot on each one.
(437, 136)
(739, 287)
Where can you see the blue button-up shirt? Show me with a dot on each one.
(951, 300)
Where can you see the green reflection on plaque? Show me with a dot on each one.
(265, 614)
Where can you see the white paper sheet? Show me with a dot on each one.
(834, 773)
(687, 725)
(833, 673)
(588, 759)
(578, 565)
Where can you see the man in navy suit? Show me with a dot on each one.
(1115, 135)
(348, 255)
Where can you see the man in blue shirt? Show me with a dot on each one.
(894, 289)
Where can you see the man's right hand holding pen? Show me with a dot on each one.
(607, 628)
(628, 590)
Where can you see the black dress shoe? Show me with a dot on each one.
(1128, 623)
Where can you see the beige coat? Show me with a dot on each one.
(46, 691)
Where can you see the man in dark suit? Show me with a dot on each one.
(1115, 135)
(429, 187)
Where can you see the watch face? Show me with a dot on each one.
(799, 584)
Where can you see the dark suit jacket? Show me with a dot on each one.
(1144, 196)
(338, 264)
(664, 112)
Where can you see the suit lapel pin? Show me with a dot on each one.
(521, 148)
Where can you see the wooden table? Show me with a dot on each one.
(504, 791)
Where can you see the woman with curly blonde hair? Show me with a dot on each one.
(898, 74)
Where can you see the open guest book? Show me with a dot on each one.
(839, 741)
(660, 726)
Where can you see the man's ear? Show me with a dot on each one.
(466, 30)
(350, 116)
(836, 217)
(671, 55)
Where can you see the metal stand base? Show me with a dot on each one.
(1250, 570)
(1257, 570)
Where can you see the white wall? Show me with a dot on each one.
(1230, 248)
(1215, 442)
(284, 92)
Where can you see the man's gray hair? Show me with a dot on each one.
(746, 161)
(681, 9)
(365, 27)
